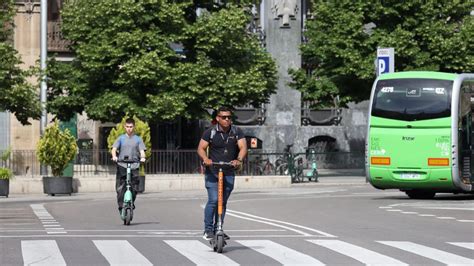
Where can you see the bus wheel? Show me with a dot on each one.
(420, 194)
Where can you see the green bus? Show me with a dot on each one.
(420, 134)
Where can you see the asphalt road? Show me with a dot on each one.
(335, 222)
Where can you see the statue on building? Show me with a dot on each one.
(284, 10)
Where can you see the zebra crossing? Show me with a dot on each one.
(198, 252)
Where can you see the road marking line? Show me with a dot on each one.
(41, 252)
(469, 245)
(120, 252)
(282, 254)
(150, 236)
(394, 210)
(466, 221)
(430, 253)
(199, 253)
(46, 218)
(409, 212)
(446, 218)
(263, 220)
(361, 254)
(427, 215)
(385, 207)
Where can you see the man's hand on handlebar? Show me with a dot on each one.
(114, 158)
(207, 162)
(236, 163)
(143, 159)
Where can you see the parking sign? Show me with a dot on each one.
(385, 62)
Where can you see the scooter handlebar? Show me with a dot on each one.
(221, 164)
(128, 161)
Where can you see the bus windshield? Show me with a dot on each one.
(412, 99)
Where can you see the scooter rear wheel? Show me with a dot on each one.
(220, 244)
(128, 216)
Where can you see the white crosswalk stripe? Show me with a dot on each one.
(361, 254)
(282, 254)
(469, 245)
(41, 252)
(199, 253)
(120, 252)
(431, 253)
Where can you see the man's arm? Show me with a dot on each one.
(201, 151)
(142, 156)
(114, 154)
(242, 143)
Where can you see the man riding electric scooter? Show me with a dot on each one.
(130, 146)
(226, 143)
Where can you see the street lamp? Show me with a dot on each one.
(43, 55)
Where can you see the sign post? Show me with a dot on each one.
(385, 62)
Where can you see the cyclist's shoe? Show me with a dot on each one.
(226, 237)
(120, 210)
(133, 207)
(208, 235)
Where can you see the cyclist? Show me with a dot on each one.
(132, 147)
(226, 143)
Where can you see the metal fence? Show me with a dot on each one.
(98, 162)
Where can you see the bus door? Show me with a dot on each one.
(465, 130)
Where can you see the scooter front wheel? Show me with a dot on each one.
(220, 244)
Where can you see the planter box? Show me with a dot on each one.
(141, 184)
(57, 185)
(4, 187)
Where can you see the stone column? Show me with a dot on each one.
(283, 38)
(27, 43)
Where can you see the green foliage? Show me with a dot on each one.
(16, 94)
(5, 173)
(125, 62)
(142, 129)
(56, 148)
(340, 52)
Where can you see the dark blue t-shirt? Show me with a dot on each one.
(223, 147)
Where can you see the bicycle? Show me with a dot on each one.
(290, 165)
(281, 164)
(127, 209)
(218, 242)
(261, 166)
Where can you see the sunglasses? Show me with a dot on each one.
(225, 117)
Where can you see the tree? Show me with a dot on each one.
(344, 35)
(126, 60)
(16, 94)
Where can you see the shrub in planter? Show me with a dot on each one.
(142, 129)
(56, 148)
(5, 175)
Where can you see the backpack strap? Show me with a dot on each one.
(213, 133)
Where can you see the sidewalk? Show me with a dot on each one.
(159, 183)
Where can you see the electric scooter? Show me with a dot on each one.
(313, 173)
(127, 208)
(218, 242)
